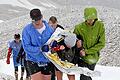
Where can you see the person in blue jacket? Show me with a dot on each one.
(34, 36)
(14, 48)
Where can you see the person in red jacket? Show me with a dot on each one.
(14, 48)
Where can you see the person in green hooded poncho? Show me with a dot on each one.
(91, 36)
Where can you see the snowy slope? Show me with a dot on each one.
(1, 21)
(21, 3)
(19, 8)
(16, 8)
(73, 15)
(107, 73)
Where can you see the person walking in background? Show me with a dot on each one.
(34, 36)
(91, 34)
(14, 48)
(21, 58)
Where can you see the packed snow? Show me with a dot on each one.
(1, 21)
(21, 3)
(107, 73)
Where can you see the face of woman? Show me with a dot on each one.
(53, 25)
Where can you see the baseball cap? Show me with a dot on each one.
(35, 14)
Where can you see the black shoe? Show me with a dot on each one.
(28, 78)
(21, 78)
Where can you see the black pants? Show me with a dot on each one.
(53, 72)
(81, 63)
(22, 68)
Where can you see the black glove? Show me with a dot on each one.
(45, 48)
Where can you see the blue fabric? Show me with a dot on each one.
(33, 41)
(15, 50)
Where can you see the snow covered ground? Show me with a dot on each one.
(21, 3)
(107, 73)
(16, 8)
(1, 21)
(73, 14)
(110, 55)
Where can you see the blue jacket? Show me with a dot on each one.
(33, 41)
(15, 50)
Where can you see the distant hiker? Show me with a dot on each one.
(14, 48)
(34, 36)
(22, 58)
(92, 34)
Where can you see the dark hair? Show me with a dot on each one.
(17, 36)
(35, 14)
(53, 19)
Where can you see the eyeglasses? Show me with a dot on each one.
(36, 22)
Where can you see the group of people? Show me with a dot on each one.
(90, 39)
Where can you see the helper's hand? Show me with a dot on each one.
(58, 48)
(82, 53)
(62, 47)
(45, 48)
(79, 43)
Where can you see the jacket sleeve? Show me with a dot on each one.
(101, 43)
(9, 53)
(27, 45)
(76, 31)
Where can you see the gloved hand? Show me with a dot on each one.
(54, 49)
(58, 48)
(8, 61)
(45, 48)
